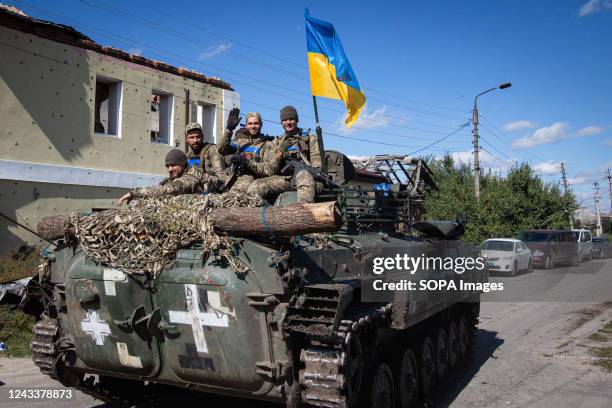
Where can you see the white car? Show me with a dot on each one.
(506, 255)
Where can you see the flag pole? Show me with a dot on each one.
(319, 134)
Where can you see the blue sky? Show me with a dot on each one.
(419, 63)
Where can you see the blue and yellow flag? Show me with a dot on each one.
(331, 74)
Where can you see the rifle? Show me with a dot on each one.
(234, 169)
(316, 173)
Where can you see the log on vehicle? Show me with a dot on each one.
(282, 221)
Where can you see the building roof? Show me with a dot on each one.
(16, 19)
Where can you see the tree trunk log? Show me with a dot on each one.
(52, 227)
(281, 221)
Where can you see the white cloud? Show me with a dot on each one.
(608, 142)
(135, 51)
(487, 161)
(590, 130)
(547, 167)
(573, 181)
(594, 6)
(518, 125)
(548, 134)
(215, 50)
(367, 120)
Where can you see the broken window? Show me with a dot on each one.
(107, 119)
(161, 117)
(205, 115)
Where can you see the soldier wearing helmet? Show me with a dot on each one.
(182, 179)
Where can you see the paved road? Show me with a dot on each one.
(528, 353)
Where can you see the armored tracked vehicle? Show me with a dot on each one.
(295, 329)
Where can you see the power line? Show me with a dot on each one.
(496, 149)
(39, 55)
(250, 46)
(440, 140)
(165, 53)
(505, 139)
(113, 10)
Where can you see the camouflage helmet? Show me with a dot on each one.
(193, 126)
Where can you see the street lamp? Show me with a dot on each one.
(475, 122)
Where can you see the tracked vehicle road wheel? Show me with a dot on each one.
(454, 350)
(382, 395)
(353, 371)
(442, 364)
(464, 338)
(407, 385)
(427, 365)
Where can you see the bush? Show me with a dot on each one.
(15, 331)
(508, 205)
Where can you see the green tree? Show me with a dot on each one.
(509, 204)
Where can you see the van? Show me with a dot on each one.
(585, 244)
(551, 247)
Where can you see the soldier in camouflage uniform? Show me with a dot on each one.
(203, 154)
(182, 179)
(258, 156)
(296, 145)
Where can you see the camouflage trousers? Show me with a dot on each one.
(303, 182)
(305, 186)
(266, 187)
(242, 183)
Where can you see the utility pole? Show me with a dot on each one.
(476, 161)
(596, 193)
(475, 142)
(564, 175)
(609, 177)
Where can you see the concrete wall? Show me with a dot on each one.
(51, 160)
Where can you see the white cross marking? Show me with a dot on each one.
(98, 329)
(196, 318)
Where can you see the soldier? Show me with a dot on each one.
(182, 179)
(297, 145)
(256, 154)
(203, 154)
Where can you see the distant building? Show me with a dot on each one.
(81, 123)
(586, 216)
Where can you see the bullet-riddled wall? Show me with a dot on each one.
(81, 127)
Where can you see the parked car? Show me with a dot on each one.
(551, 247)
(585, 244)
(601, 247)
(507, 255)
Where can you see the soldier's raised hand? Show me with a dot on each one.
(233, 119)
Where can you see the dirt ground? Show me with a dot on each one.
(527, 354)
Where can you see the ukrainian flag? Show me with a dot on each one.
(331, 74)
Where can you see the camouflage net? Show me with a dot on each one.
(145, 236)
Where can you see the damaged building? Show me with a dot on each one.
(83, 123)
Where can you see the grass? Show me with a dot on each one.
(603, 354)
(607, 328)
(15, 331)
(598, 337)
(585, 315)
(19, 265)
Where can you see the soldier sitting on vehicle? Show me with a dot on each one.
(182, 179)
(203, 154)
(298, 146)
(256, 160)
